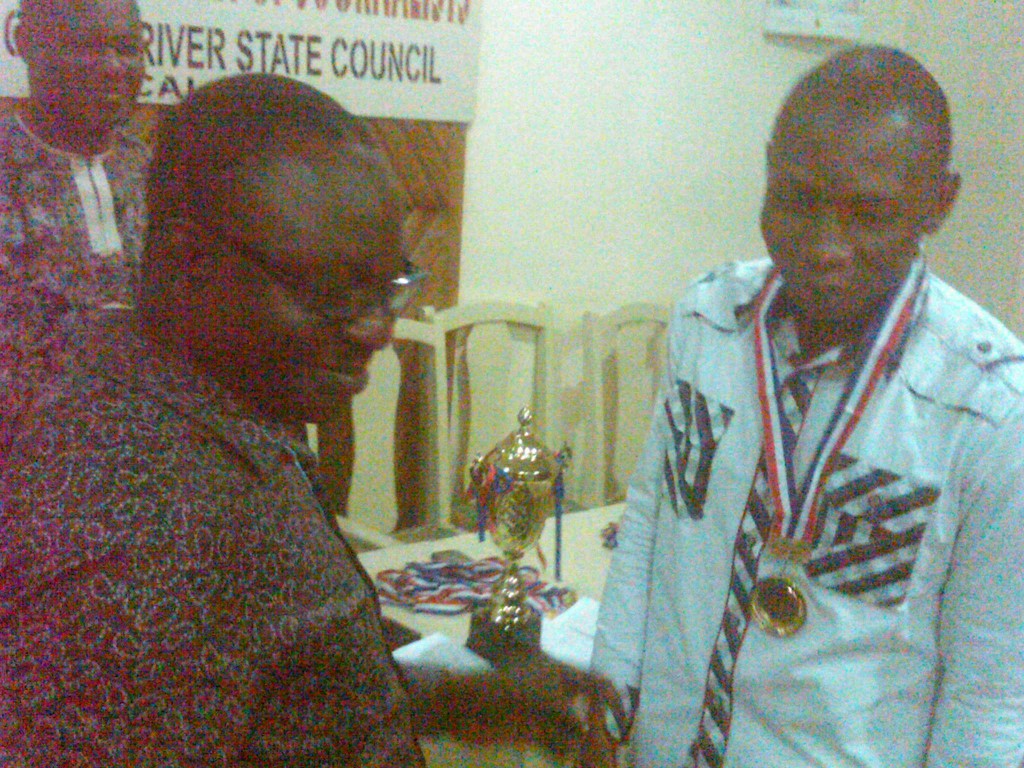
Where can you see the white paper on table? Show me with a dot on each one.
(439, 650)
(569, 637)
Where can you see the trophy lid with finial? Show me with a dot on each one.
(521, 456)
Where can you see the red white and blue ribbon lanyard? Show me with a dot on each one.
(796, 506)
(450, 588)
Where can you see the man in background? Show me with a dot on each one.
(72, 178)
(820, 563)
(171, 590)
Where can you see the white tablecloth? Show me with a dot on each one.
(584, 563)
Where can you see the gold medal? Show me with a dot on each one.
(778, 606)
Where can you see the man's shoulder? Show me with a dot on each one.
(10, 127)
(972, 333)
(17, 147)
(112, 383)
(72, 422)
(129, 145)
(720, 295)
(86, 364)
(12, 150)
(964, 357)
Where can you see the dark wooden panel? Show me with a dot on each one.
(429, 161)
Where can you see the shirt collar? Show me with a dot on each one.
(744, 309)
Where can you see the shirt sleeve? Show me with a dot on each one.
(147, 619)
(979, 712)
(11, 231)
(622, 621)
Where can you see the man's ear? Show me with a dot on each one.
(24, 42)
(941, 202)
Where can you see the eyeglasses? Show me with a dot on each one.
(361, 300)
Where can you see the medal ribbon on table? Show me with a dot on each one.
(796, 508)
(446, 588)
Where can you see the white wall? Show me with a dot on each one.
(976, 50)
(617, 149)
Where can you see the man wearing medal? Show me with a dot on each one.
(820, 563)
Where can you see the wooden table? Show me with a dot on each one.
(584, 565)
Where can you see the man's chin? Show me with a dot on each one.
(313, 398)
(333, 383)
(821, 304)
(330, 394)
(104, 114)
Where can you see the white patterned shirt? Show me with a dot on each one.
(912, 653)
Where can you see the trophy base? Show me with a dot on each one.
(503, 645)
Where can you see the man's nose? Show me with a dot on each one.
(831, 245)
(110, 61)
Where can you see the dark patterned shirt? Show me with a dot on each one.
(170, 591)
(46, 261)
(44, 221)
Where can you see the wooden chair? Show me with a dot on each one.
(626, 362)
(499, 360)
(399, 474)
(573, 413)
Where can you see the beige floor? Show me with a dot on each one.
(447, 754)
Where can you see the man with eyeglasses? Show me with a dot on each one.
(171, 591)
(820, 563)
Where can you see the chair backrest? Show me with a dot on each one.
(627, 363)
(399, 471)
(573, 412)
(499, 361)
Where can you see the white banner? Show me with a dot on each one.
(414, 59)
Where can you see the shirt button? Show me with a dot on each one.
(984, 347)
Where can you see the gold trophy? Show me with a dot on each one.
(517, 486)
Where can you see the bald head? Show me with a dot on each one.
(862, 84)
(237, 122)
(217, 148)
(857, 176)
